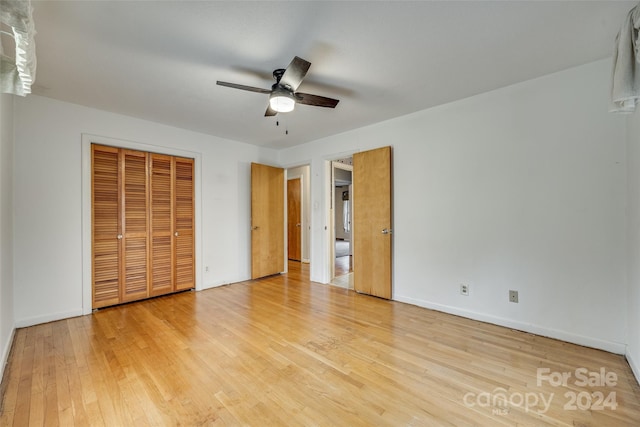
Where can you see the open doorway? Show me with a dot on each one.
(298, 216)
(341, 216)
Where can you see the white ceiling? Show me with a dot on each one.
(159, 60)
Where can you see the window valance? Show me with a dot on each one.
(17, 69)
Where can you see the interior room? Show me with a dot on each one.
(342, 222)
(139, 284)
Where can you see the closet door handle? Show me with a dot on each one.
(175, 234)
(119, 237)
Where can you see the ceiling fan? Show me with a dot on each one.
(282, 95)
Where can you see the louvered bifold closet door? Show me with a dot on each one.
(135, 225)
(105, 210)
(142, 225)
(184, 224)
(161, 183)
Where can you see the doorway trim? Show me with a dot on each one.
(305, 211)
(87, 140)
(302, 224)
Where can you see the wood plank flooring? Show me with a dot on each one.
(284, 351)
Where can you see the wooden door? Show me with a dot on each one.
(105, 225)
(184, 228)
(267, 220)
(372, 222)
(294, 218)
(161, 183)
(142, 225)
(135, 225)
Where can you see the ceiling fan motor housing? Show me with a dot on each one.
(277, 74)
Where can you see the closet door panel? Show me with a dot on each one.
(135, 224)
(135, 268)
(184, 224)
(184, 262)
(161, 224)
(105, 208)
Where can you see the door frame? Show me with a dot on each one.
(305, 223)
(302, 212)
(87, 140)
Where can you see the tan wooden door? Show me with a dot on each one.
(135, 225)
(294, 225)
(184, 228)
(161, 255)
(105, 224)
(267, 220)
(372, 222)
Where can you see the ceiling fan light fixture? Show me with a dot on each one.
(282, 102)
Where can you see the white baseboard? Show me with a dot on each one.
(635, 368)
(218, 283)
(6, 349)
(30, 321)
(213, 285)
(612, 347)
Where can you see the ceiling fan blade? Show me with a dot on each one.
(243, 87)
(270, 112)
(316, 100)
(295, 72)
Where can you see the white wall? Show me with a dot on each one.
(303, 172)
(48, 201)
(521, 188)
(633, 242)
(6, 228)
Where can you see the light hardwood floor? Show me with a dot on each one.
(284, 351)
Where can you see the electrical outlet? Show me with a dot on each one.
(513, 296)
(206, 269)
(464, 289)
